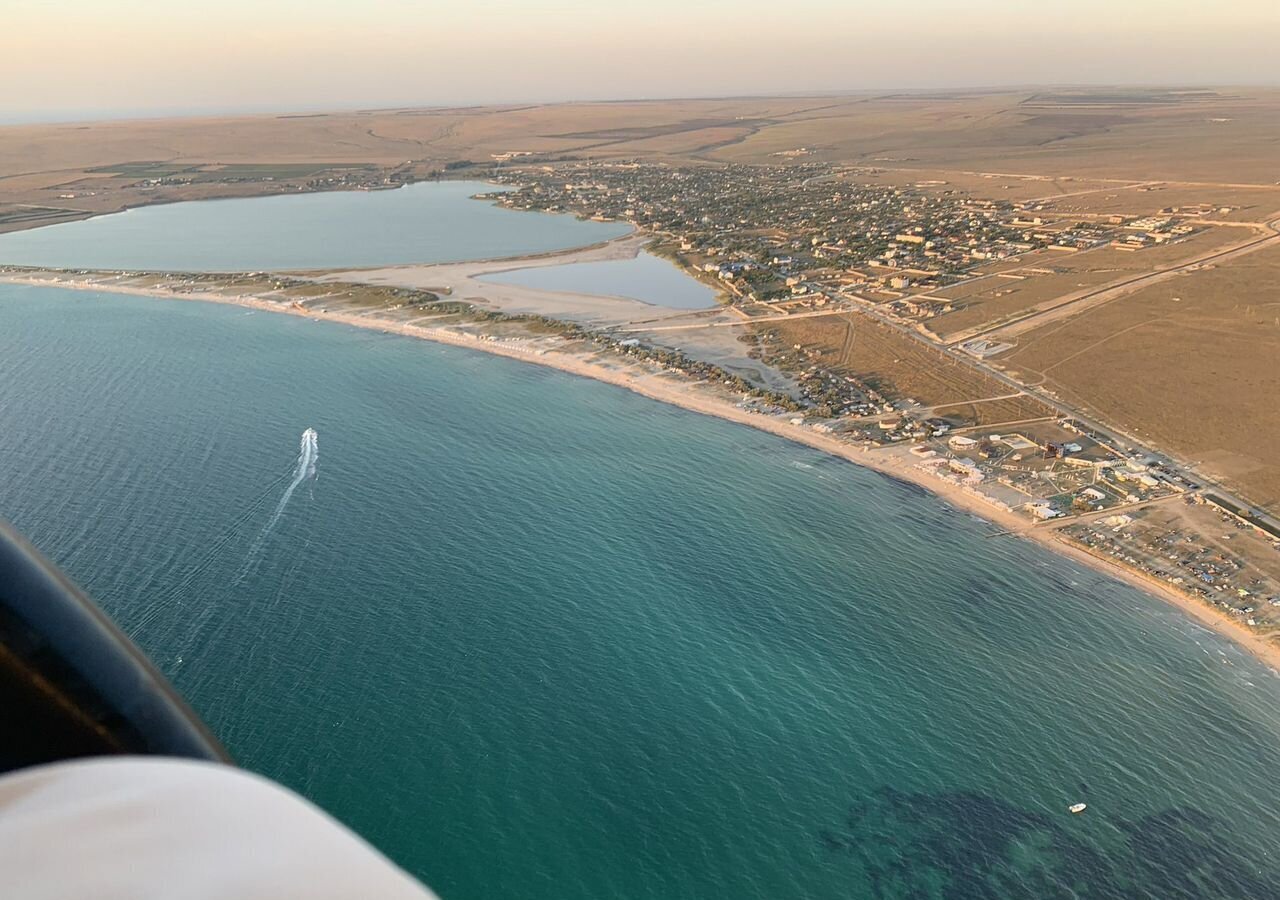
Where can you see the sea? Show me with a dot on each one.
(535, 636)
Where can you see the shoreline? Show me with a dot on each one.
(529, 260)
(469, 282)
(691, 397)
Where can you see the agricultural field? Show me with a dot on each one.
(15, 216)
(207, 173)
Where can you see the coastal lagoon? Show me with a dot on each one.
(431, 222)
(647, 278)
(536, 636)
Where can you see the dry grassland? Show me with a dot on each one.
(1150, 136)
(895, 364)
(1245, 204)
(998, 412)
(975, 185)
(991, 301)
(1192, 364)
(1041, 144)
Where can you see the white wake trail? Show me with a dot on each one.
(308, 454)
(303, 470)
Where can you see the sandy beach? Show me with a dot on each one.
(660, 325)
(700, 398)
(465, 281)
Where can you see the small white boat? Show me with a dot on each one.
(1078, 808)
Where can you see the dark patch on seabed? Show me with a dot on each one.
(970, 846)
(907, 487)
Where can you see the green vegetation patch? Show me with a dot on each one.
(226, 172)
(31, 214)
(281, 171)
(143, 169)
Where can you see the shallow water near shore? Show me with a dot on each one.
(535, 636)
(431, 222)
(647, 278)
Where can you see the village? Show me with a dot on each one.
(807, 239)
(809, 235)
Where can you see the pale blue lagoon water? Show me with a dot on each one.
(539, 637)
(647, 278)
(422, 223)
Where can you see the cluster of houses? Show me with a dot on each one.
(807, 235)
(785, 232)
(1045, 478)
(1179, 555)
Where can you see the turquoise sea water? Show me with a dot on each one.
(538, 637)
(647, 278)
(422, 223)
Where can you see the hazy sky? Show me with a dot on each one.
(62, 57)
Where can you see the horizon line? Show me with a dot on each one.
(102, 116)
